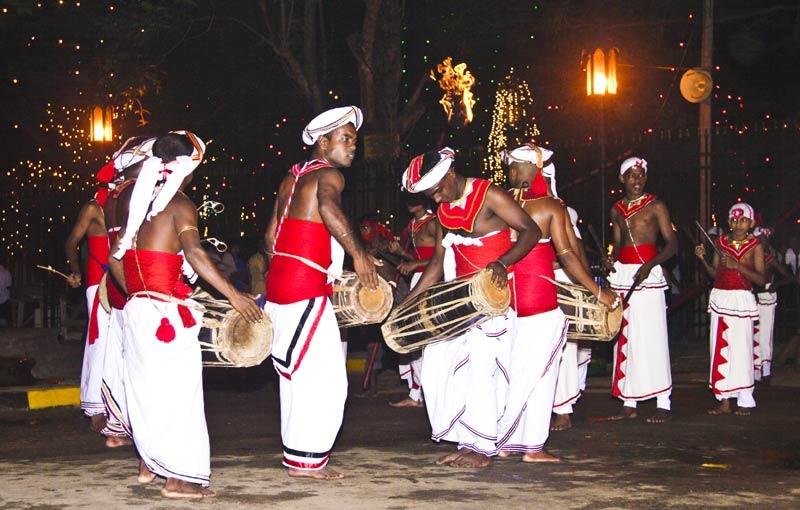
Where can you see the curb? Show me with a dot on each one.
(32, 398)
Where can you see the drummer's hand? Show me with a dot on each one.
(365, 269)
(608, 298)
(700, 251)
(74, 280)
(247, 307)
(408, 267)
(499, 274)
(643, 272)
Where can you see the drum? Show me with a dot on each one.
(234, 341)
(102, 292)
(356, 305)
(444, 311)
(588, 319)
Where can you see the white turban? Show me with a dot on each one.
(533, 154)
(573, 217)
(146, 196)
(632, 162)
(130, 153)
(331, 120)
(416, 183)
(742, 209)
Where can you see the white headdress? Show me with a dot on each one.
(413, 182)
(573, 217)
(742, 209)
(331, 120)
(632, 162)
(145, 193)
(530, 153)
(131, 153)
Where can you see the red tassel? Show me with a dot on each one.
(165, 332)
(107, 173)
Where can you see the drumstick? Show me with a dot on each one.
(54, 271)
(708, 238)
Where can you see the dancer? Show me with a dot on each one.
(465, 377)
(736, 267)
(306, 234)
(163, 370)
(540, 330)
(641, 353)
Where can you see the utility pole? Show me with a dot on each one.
(704, 128)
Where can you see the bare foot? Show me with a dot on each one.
(450, 457)
(541, 456)
(98, 422)
(627, 413)
(504, 454)
(471, 460)
(560, 422)
(117, 441)
(742, 411)
(180, 489)
(407, 402)
(661, 416)
(724, 407)
(325, 473)
(145, 475)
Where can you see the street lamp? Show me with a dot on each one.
(601, 81)
(100, 124)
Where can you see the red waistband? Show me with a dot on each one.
(731, 279)
(637, 254)
(471, 259)
(97, 262)
(534, 293)
(289, 280)
(423, 253)
(156, 271)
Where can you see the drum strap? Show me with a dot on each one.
(309, 263)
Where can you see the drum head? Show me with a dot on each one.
(102, 292)
(242, 343)
(373, 305)
(614, 321)
(488, 298)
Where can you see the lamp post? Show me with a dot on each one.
(100, 129)
(601, 80)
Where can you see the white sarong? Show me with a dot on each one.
(568, 387)
(465, 381)
(164, 392)
(411, 372)
(113, 389)
(584, 359)
(93, 358)
(733, 313)
(538, 342)
(764, 336)
(307, 354)
(641, 352)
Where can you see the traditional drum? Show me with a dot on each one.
(102, 292)
(356, 305)
(444, 311)
(234, 341)
(588, 319)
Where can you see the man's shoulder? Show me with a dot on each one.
(181, 202)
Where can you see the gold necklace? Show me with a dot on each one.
(635, 200)
(737, 244)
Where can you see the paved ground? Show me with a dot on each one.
(49, 459)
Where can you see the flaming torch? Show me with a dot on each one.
(456, 82)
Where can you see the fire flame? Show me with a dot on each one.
(455, 82)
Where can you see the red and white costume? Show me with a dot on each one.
(95, 347)
(412, 371)
(763, 336)
(641, 353)
(539, 336)
(163, 368)
(733, 310)
(306, 350)
(465, 379)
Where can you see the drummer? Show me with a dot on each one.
(422, 236)
(540, 333)
(641, 353)
(308, 222)
(163, 373)
(465, 378)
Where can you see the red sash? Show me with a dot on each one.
(158, 271)
(637, 254)
(423, 253)
(97, 262)
(454, 217)
(471, 259)
(534, 293)
(731, 279)
(289, 280)
(628, 210)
